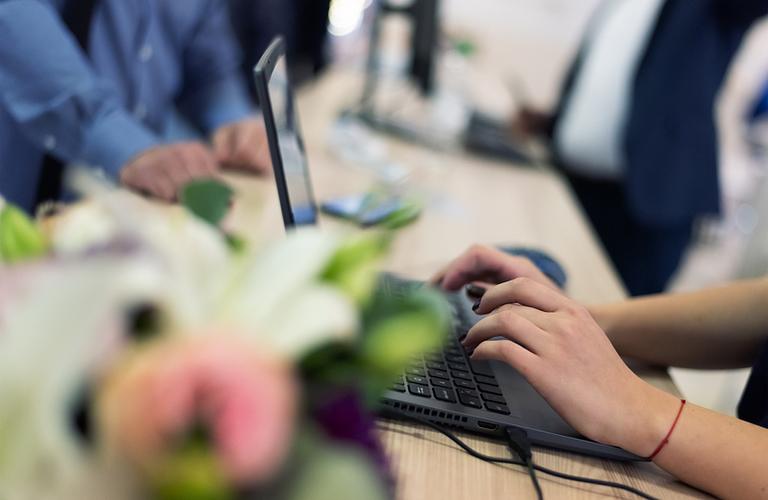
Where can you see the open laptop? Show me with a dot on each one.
(447, 388)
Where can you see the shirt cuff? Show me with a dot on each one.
(221, 103)
(115, 139)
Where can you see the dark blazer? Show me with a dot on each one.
(671, 140)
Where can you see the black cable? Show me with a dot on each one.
(545, 470)
(520, 445)
(535, 479)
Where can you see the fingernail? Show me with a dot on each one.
(475, 291)
(476, 305)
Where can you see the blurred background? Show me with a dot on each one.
(498, 55)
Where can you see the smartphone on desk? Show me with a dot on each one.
(369, 210)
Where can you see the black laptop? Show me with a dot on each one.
(447, 388)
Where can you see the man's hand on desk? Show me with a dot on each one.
(489, 266)
(243, 146)
(162, 171)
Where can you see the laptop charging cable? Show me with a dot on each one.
(520, 445)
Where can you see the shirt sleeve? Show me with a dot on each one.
(50, 90)
(215, 92)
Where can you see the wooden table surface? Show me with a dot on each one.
(468, 200)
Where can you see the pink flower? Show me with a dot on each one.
(242, 397)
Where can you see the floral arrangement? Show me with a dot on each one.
(145, 352)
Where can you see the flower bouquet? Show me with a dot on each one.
(147, 353)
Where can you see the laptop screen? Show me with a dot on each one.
(291, 147)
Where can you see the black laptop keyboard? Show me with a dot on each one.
(450, 375)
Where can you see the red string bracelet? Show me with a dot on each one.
(669, 434)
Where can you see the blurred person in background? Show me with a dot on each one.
(94, 82)
(310, 55)
(634, 131)
(302, 23)
(256, 24)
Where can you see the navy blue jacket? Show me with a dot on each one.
(671, 140)
(754, 403)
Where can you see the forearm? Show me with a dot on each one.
(715, 328)
(722, 455)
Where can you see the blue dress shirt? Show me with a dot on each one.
(146, 59)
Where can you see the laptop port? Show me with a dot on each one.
(487, 425)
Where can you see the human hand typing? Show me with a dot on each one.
(559, 348)
(488, 266)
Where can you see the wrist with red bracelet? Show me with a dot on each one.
(648, 417)
(671, 431)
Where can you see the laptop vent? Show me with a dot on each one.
(441, 417)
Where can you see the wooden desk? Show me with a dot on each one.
(471, 201)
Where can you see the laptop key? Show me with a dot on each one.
(470, 401)
(461, 374)
(444, 394)
(415, 379)
(438, 382)
(439, 374)
(457, 366)
(418, 371)
(455, 358)
(497, 408)
(467, 392)
(482, 379)
(454, 351)
(493, 398)
(419, 390)
(433, 365)
(489, 389)
(398, 388)
(481, 368)
(459, 382)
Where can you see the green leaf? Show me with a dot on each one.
(20, 238)
(192, 473)
(236, 244)
(403, 216)
(398, 329)
(208, 199)
(354, 266)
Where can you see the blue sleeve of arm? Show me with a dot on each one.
(51, 92)
(215, 92)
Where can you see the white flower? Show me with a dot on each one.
(193, 257)
(57, 321)
(276, 295)
(266, 292)
(83, 227)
